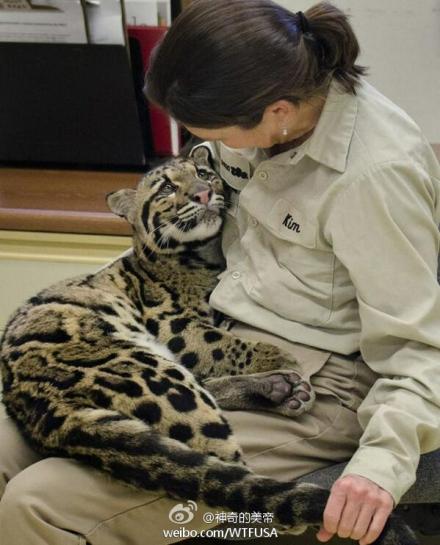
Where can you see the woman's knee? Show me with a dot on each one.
(47, 489)
(15, 501)
(15, 454)
(32, 509)
(58, 499)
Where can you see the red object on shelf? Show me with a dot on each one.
(148, 37)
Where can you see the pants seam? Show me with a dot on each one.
(298, 439)
(354, 376)
(114, 516)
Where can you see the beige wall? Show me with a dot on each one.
(30, 262)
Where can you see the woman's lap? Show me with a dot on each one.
(85, 503)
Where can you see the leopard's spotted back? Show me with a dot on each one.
(103, 367)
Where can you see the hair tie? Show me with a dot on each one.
(303, 22)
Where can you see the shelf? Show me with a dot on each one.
(61, 201)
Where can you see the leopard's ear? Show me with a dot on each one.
(123, 203)
(202, 156)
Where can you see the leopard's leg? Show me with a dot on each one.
(281, 392)
(210, 352)
(213, 352)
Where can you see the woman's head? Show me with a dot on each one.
(223, 62)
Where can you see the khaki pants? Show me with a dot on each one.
(57, 501)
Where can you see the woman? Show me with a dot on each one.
(332, 238)
(331, 244)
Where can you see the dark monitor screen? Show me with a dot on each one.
(68, 104)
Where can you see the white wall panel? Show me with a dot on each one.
(400, 42)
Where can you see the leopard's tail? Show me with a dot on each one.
(132, 452)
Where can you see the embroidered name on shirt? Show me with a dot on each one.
(235, 171)
(291, 224)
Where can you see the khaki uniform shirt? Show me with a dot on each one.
(334, 244)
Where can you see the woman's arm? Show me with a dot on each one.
(384, 230)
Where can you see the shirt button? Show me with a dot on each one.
(235, 275)
(263, 175)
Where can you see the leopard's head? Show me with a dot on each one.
(175, 206)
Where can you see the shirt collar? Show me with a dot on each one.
(330, 141)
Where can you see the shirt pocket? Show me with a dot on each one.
(289, 223)
(295, 277)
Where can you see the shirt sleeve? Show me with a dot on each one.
(384, 230)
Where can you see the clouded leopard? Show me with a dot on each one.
(120, 369)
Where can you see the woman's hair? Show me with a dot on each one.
(224, 61)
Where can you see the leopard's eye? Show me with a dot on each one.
(203, 174)
(167, 188)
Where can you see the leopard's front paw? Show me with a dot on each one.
(284, 392)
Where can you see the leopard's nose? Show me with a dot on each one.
(203, 196)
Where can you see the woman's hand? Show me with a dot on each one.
(357, 508)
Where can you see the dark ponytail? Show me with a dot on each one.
(224, 61)
(336, 44)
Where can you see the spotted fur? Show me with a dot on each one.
(109, 368)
